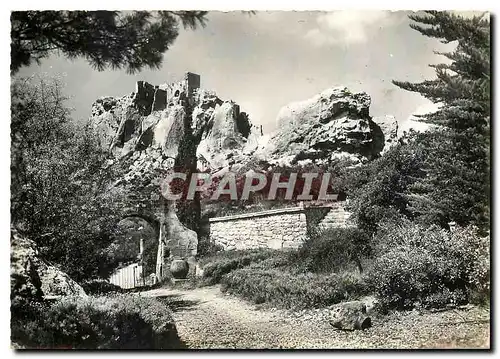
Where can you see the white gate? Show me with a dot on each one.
(130, 277)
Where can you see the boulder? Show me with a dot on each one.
(56, 283)
(108, 114)
(371, 303)
(35, 279)
(333, 124)
(25, 282)
(350, 316)
(161, 118)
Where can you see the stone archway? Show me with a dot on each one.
(152, 218)
(171, 239)
(136, 240)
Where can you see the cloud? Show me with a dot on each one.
(347, 26)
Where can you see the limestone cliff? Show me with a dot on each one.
(333, 124)
(183, 124)
(389, 130)
(156, 127)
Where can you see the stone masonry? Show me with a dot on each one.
(277, 229)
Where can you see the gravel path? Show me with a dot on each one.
(207, 318)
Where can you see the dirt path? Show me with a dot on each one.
(207, 318)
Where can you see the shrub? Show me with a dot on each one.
(100, 286)
(335, 249)
(280, 259)
(208, 248)
(214, 267)
(428, 266)
(288, 290)
(112, 322)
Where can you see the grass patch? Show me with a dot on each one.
(286, 289)
(217, 265)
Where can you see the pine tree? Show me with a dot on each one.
(456, 186)
(465, 82)
(131, 40)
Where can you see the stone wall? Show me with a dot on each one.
(337, 217)
(277, 229)
(176, 90)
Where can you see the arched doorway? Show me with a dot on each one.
(134, 250)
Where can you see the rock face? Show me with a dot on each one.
(334, 124)
(152, 126)
(34, 278)
(181, 241)
(389, 128)
(225, 136)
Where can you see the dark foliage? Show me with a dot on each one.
(377, 191)
(59, 186)
(457, 182)
(335, 249)
(428, 266)
(131, 40)
(117, 322)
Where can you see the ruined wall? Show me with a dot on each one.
(337, 217)
(177, 91)
(277, 229)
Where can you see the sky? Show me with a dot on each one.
(267, 60)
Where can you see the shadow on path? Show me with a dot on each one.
(176, 303)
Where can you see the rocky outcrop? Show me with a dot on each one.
(32, 277)
(146, 128)
(181, 241)
(157, 128)
(224, 138)
(180, 244)
(334, 124)
(152, 126)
